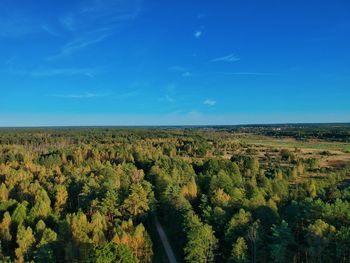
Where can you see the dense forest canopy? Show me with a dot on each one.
(222, 194)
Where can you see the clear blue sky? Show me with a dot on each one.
(134, 62)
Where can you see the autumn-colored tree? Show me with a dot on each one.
(137, 239)
(61, 198)
(98, 225)
(5, 225)
(4, 193)
(25, 240)
(42, 206)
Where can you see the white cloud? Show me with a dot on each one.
(209, 102)
(76, 45)
(198, 34)
(55, 72)
(184, 71)
(91, 95)
(94, 22)
(246, 73)
(228, 58)
(86, 95)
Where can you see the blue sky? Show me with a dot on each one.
(156, 62)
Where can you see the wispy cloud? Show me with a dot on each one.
(93, 22)
(197, 34)
(92, 95)
(86, 95)
(78, 44)
(55, 72)
(242, 73)
(209, 102)
(183, 71)
(246, 73)
(228, 58)
(50, 31)
(67, 21)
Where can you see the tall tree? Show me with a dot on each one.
(239, 252)
(282, 240)
(25, 240)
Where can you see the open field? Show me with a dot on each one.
(292, 143)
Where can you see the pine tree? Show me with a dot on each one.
(137, 202)
(282, 239)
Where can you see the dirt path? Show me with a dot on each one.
(168, 250)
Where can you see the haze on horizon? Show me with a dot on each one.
(153, 62)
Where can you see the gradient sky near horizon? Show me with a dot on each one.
(186, 62)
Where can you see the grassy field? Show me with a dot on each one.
(292, 143)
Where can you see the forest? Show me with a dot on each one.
(221, 194)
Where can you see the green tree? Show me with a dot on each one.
(319, 236)
(48, 237)
(5, 225)
(238, 225)
(44, 252)
(239, 252)
(311, 189)
(112, 253)
(79, 226)
(137, 201)
(25, 240)
(20, 213)
(42, 206)
(98, 226)
(282, 239)
(109, 206)
(342, 244)
(201, 242)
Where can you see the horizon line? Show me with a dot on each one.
(175, 125)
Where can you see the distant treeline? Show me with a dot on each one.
(329, 132)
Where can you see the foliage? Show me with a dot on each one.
(223, 194)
